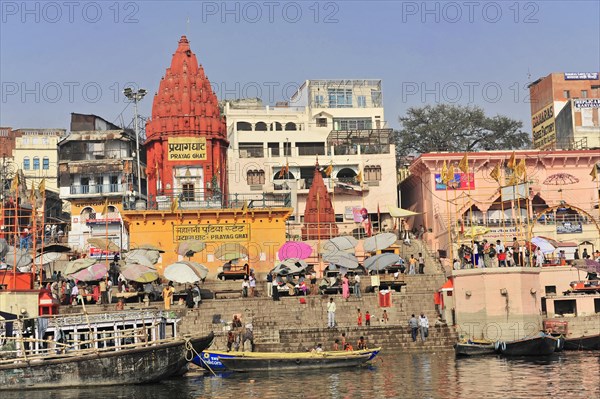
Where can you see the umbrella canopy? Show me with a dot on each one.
(290, 266)
(295, 249)
(104, 244)
(94, 272)
(190, 247)
(3, 247)
(231, 251)
(380, 262)
(588, 265)
(475, 231)
(343, 243)
(139, 273)
(150, 247)
(54, 248)
(543, 244)
(77, 265)
(400, 213)
(23, 259)
(342, 259)
(47, 257)
(186, 272)
(142, 256)
(379, 242)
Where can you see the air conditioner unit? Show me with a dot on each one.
(256, 187)
(374, 183)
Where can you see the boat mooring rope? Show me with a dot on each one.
(190, 350)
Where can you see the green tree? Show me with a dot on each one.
(457, 128)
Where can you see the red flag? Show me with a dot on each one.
(378, 217)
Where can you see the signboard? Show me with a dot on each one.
(186, 149)
(581, 75)
(356, 214)
(543, 130)
(587, 103)
(348, 213)
(569, 228)
(461, 181)
(96, 253)
(511, 193)
(212, 232)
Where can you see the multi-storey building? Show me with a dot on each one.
(337, 123)
(97, 167)
(565, 111)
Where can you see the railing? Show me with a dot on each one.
(97, 189)
(210, 200)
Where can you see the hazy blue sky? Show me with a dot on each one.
(62, 57)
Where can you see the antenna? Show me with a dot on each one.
(187, 28)
(528, 76)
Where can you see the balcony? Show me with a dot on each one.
(97, 189)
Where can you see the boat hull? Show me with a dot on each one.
(210, 360)
(465, 349)
(541, 345)
(128, 366)
(583, 343)
(295, 361)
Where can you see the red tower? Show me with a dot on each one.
(319, 217)
(186, 139)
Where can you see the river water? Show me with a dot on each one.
(415, 375)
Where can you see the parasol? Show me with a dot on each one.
(150, 247)
(342, 259)
(190, 247)
(343, 243)
(231, 251)
(290, 266)
(295, 249)
(400, 213)
(186, 272)
(104, 244)
(379, 242)
(544, 244)
(47, 257)
(142, 256)
(54, 248)
(380, 262)
(94, 272)
(23, 259)
(77, 265)
(589, 265)
(139, 273)
(3, 248)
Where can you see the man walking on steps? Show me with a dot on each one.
(331, 313)
(414, 327)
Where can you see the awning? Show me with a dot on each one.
(400, 213)
(448, 286)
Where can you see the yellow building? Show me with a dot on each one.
(261, 230)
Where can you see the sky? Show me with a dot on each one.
(59, 57)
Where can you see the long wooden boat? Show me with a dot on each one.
(210, 360)
(474, 348)
(539, 345)
(128, 364)
(590, 342)
(264, 361)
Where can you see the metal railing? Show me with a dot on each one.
(211, 200)
(97, 189)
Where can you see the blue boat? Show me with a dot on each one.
(209, 360)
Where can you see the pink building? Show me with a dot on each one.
(554, 196)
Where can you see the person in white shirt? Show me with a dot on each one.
(331, 313)
(357, 285)
(423, 326)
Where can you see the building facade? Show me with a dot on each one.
(564, 111)
(337, 123)
(556, 198)
(97, 168)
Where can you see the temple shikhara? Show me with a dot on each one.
(186, 138)
(319, 217)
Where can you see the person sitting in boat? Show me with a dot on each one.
(348, 347)
(362, 343)
(336, 345)
(120, 305)
(318, 348)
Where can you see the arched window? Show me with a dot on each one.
(46, 163)
(88, 213)
(36, 163)
(276, 126)
(260, 127)
(346, 173)
(290, 126)
(255, 177)
(373, 173)
(26, 165)
(243, 127)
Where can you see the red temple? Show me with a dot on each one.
(186, 139)
(319, 216)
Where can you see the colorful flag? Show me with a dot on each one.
(42, 187)
(282, 172)
(521, 169)
(329, 170)
(594, 172)
(174, 204)
(15, 183)
(463, 165)
(495, 173)
(105, 208)
(359, 177)
(245, 208)
(450, 173)
(444, 174)
(512, 162)
(32, 195)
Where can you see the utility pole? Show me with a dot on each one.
(136, 96)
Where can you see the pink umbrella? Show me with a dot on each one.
(94, 272)
(133, 271)
(295, 249)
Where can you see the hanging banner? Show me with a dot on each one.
(569, 228)
(186, 149)
(212, 232)
(461, 181)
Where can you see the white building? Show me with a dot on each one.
(337, 122)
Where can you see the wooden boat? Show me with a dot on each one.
(138, 363)
(539, 345)
(263, 361)
(590, 342)
(210, 360)
(474, 348)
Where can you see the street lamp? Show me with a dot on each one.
(136, 96)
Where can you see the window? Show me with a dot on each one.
(565, 306)
(188, 192)
(291, 126)
(373, 173)
(340, 98)
(36, 163)
(584, 93)
(319, 100)
(26, 163)
(260, 127)
(566, 94)
(550, 290)
(114, 183)
(25, 141)
(361, 101)
(85, 185)
(321, 122)
(287, 149)
(244, 126)
(376, 98)
(597, 305)
(255, 177)
(45, 141)
(352, 124)
(252, 150)
(46, 163)
(274, 149)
